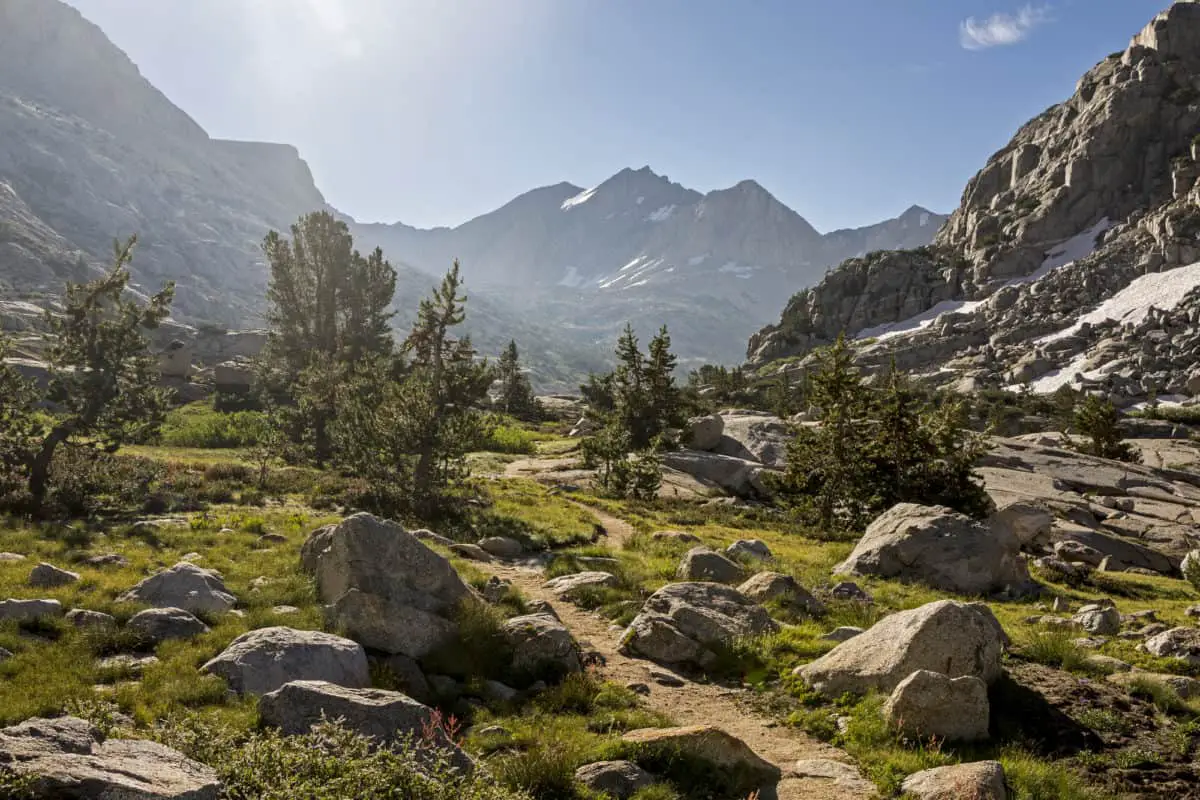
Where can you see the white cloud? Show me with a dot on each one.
(1000, 30)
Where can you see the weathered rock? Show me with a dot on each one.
(126, 664)
(1102, 620)
(682, 537)
(1078, 553)
(83, 618)
(764, 587)
(704, 433)
(387, 718)
(939, 548)
(617, 779)
(754, 549)
(842, 633)
(1181, 643)
(735, 475)
(929, 704)
(945, 636)
(183, 586)
(1029, 520)
(1105, 663)
(8, 558)
(702, 564)
(501, 547)
(1182, 685)
(26, 610)
(567, 586)
(849, 590)
(106, 560)
(731, 757)
(978, 780)
(384, 587)
(541, 643)
(46, 576)
(471, 552)
(263, 660)
(681, 622)
(840, 774)
(160, 624)
(755, 437)
(69, 758)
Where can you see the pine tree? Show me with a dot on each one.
(663, 406)
(329, 316)
(515, 396)
(18, 424)
(103, 379)
(1100, 421)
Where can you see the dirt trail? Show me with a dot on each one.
(690, 703)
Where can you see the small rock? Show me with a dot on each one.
(126, 664)
(842, 775)
(83, 618)
(980, 780)
(566, 586)
(665, 678)
(719, 750)
(766, 586)
(284, 610)
(496, 730)
(471, 552)
(541, 642)
(272, 538)
(753, 549)
(501, 547)
(263, 660)
(849, 590)
(183, 586)
(1180, 643)
(106, 560)
(26, 610)
(1193, 611)
(497, 692)
(702, 564)
(1107, 664)
(495, 589)
(681, 537)
(928, 704)
(841, 633)
(10, 557)
(1099, 619)
(160, 624)
(46, 576)
(5, 655)
(1061, 605)
(617, 779)
(638, 688)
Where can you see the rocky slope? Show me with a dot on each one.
(1091, 195)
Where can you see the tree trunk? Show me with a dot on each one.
(39, 468)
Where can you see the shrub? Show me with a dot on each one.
(511, 439)
(202, 426)
(1055, 649)
(85, 481)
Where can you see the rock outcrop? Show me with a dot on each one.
(941, 549)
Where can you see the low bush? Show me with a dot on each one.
(199, 425)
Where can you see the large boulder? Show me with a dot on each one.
(945, 636)
(1181, 643)
(729, 756)
(928, 704)
(183, 586)
(386, 718)
(681, 623)
(67, 757)
(1028, 520)
(939, 548)
(765, 587)
(755, 437)
(156, 625)
(738, 476)
(978, 780)
(704, 433)
(262, 660)
(617, 779)
(384, 587)
(540, 644)
(703, 564)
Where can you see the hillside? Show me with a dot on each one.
(1042, 275)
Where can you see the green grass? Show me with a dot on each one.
(198, 425)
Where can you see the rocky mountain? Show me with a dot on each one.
(1071, 258)
(91, 151)
(641, 248)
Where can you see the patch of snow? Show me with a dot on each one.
(740, 270)
(640, 200)
(1175, 400)
(924, 219)
(1162, 290)
(572, 278)
(1070, 251)
(660, 214)
(579, 199)
(642, 282)
(699, 210)
(696, 261)
(920, 321)
(632, 274)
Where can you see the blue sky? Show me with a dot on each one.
(433, 111)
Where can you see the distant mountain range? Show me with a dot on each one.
(90, 150)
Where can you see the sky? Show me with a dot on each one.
(431, 112)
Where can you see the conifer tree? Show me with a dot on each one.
(103, 379)
(515, 395)
(1100, 421)
(329, 316)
